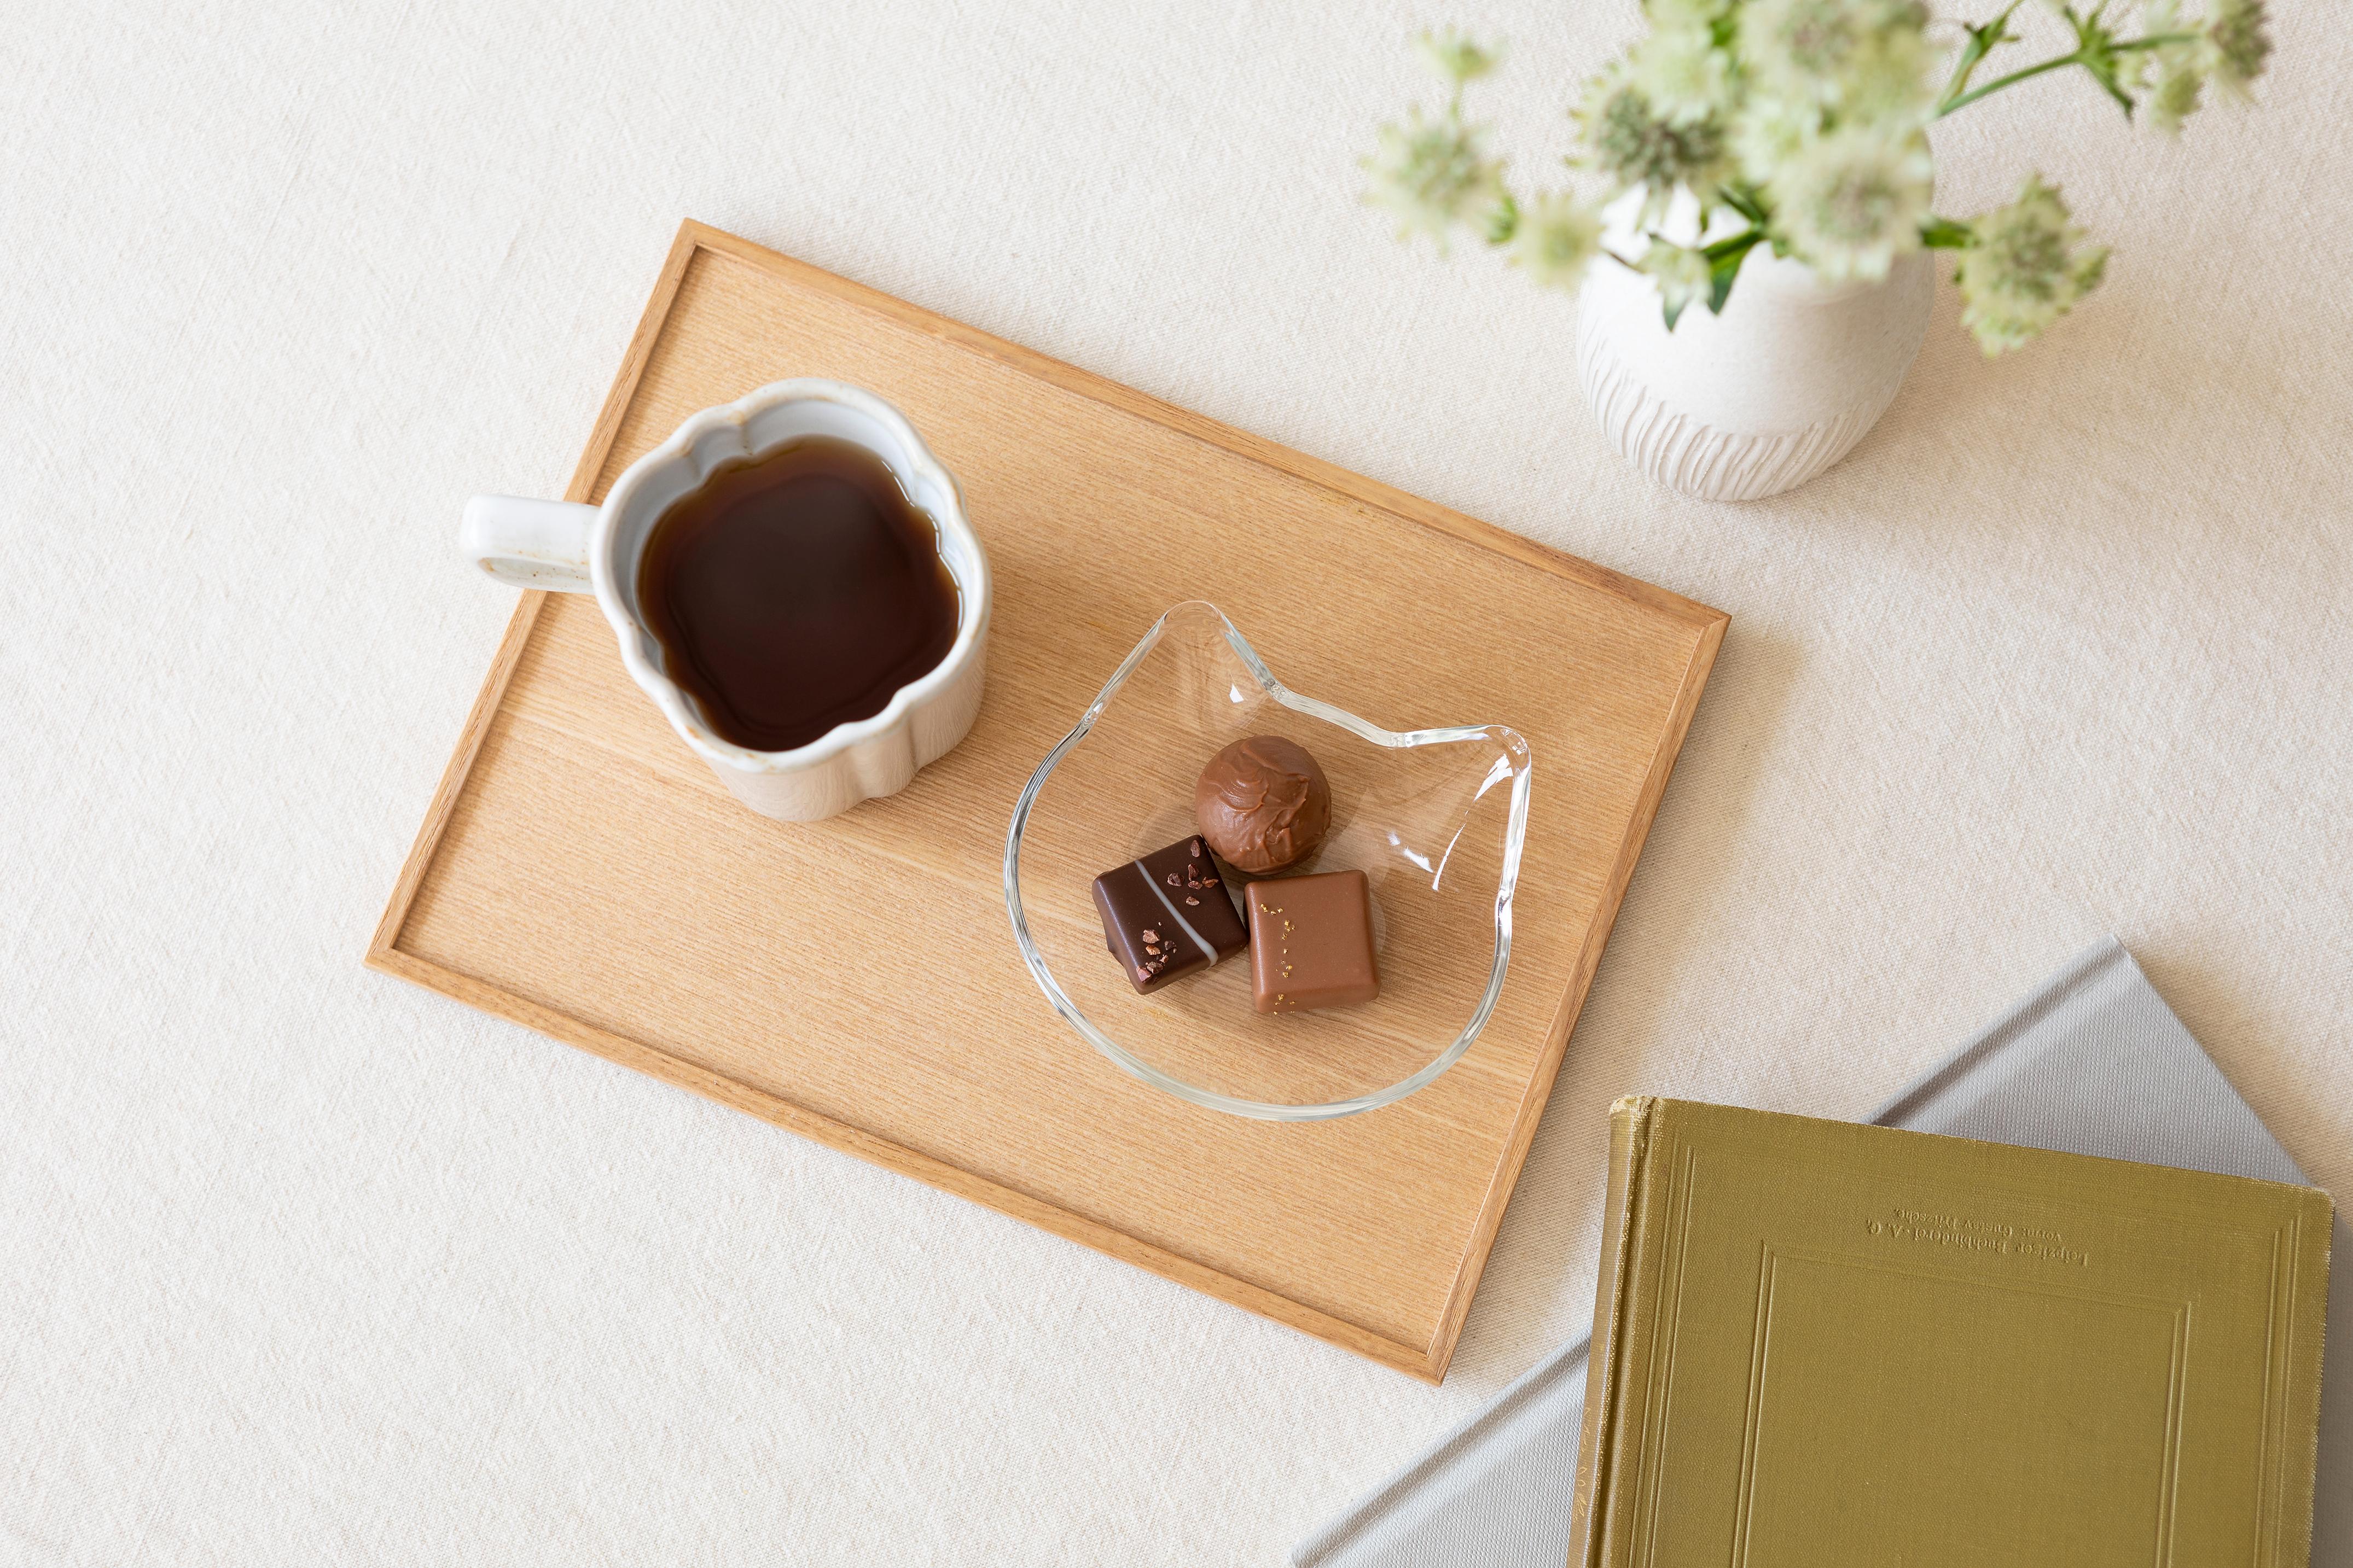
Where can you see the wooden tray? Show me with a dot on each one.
(580, 871)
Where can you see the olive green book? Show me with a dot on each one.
(1824, 1345)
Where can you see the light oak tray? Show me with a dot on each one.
(580, 871)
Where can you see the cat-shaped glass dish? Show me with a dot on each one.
(1435, 819)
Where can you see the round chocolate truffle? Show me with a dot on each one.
(1262, 804)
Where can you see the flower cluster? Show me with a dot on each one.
(1643, 144)
(2023, 266)
(1433, 173)
(1831, 127)
(2228, 46)
(1555, 237)
(1806, 119)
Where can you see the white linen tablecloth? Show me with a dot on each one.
(299, 1264)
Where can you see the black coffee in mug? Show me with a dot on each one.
(796, 590)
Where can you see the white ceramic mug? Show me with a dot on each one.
(572, 549)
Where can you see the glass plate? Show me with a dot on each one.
(1424, 814)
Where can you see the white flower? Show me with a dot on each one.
(1681, 273)
(1767, 133)
(2238, 42)
(1433, 173)
(2229, 49)
(1639, 147)
(1685, 78)
(1851, 202)
(1456, 57)
(1556, 236)
(2173, 74)
(2024, 265)
(1866, 60)
(2178, 85)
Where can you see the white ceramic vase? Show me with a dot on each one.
(1761, 398)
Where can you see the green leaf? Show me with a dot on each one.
(1744, 201)
(1945, 234)
(1724, 260)
(1731, 245)
(1504, 222)
(1672, 312)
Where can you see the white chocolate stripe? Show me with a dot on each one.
(1183, 924)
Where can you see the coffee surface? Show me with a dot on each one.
(796, 591)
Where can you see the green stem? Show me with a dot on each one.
(1982, 41)
(2012, 80)
(2082, 55)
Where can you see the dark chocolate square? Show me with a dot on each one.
(1168, 914)
(1312, 943)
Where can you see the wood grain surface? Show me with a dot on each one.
(580, 871)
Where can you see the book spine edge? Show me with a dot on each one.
(1630, 1137)
(2300, 1494)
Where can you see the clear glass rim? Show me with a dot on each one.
(1515, 838)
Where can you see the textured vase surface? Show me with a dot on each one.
(1762, 398)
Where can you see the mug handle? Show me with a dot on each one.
(530, 543)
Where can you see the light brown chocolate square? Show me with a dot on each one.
(1312, 943)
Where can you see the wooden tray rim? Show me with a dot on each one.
(1426, 1362)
